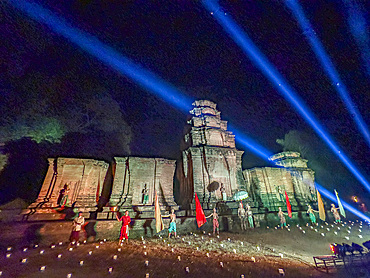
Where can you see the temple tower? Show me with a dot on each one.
(210, 159)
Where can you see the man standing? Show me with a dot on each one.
(172, 227)
(242, 216)
(77, 224)
(126, 220)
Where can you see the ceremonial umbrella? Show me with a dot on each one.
(240, 195)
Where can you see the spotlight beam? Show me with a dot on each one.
(138, 74)
(106, 54)
(279, 82)
(328, 66)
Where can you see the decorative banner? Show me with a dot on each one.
(341, 209)
(157, 213)
(288, 206)
(321, 207)
(201, 218)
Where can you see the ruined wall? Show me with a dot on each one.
(267, 185)
(132, 173)
(83, 177)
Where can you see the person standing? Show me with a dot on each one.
(145, 195)
(281, 216)
(250, 216)
(242, 216)
(77, 225)
(223, 192)
(216, 225)
(335, 212)
(172, 227)
(311, 214)
(126, 220)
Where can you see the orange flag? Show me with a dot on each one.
(320, 204)
(157, 214)
(199, 213)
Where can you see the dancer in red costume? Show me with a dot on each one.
(124, 230)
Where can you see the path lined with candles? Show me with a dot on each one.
(263, 252)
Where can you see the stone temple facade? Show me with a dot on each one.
(83, 178)
(267, 185)
(132, 174)
(210, 160)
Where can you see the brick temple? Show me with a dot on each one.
(209, 161)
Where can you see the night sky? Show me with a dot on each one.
(182, 43)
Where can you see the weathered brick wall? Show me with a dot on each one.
(132, 173)
(84, 177)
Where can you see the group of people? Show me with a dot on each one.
(245, 215)
(311, 214)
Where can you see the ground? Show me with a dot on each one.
(254, 253)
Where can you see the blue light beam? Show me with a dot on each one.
(278, 81)
(328, 66)
(174, 96)
(106, 54)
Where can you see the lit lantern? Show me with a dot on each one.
(69, 275)
(322, 234)
(42, 252)
(253, 259)
(281, 272)
(119, 249)
(8, 255)
(52, 247)
(110, 270)
(97, 246)
(36, 245)
(147, 275)
(9, 249)
(145, 253)
(25, 249)
(115, 257)
(90, 252)
(221, 264)
(179, 258)
(172, 250)
(70, 249)
(60, 243)
(281, 255)
(24, 260)
(207, 254)
(42, 268)
(59, 256)
(81, 263)
(187, 269)
(146, 263)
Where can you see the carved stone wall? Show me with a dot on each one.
(84, 178)
(267, 185)
(131, 175)
(210, 158)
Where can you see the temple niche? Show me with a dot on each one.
(209, 159)
(133, 174)
(79, 180)
(267, 185)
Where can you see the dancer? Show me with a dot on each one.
(281, 215)
(77, 224)
(172, 227)
(124, 230)
(310, 212)
(249, 214)
(242, 216)
(335, 212)
(215, 221)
